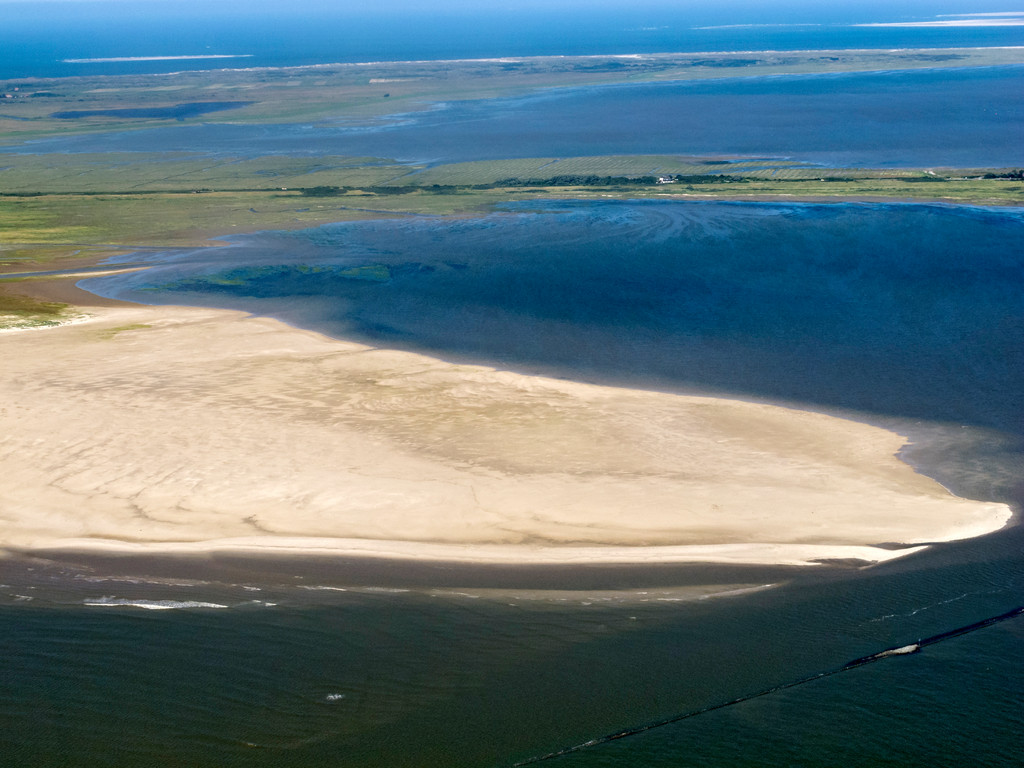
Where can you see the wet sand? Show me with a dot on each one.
(166, 430)
(64, 290)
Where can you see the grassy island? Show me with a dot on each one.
(60, 211)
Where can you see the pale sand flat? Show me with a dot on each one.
(211, 430)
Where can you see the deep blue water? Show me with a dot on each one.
(178, 111)
(37, 38)
(902, 310)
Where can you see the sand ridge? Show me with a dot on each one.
(168, 429)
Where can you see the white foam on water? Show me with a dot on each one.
(448, 593)
(888, 616)
(140, 580)
(118, 59)
(151, 605)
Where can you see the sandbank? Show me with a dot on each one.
(153, 430)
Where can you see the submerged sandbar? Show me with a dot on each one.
(172, 429)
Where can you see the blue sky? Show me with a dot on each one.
(701, 7)
(736, 11)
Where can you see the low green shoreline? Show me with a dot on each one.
(75, 211)
(54, 206)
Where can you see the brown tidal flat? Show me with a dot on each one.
(180, 430)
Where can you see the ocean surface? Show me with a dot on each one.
(910, 316)
(65, 39)
(291, 677)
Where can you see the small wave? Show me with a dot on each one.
(334, 696)
(447, 593)
(151, 605)
(916, 611)
(141, 580)
(120, 59)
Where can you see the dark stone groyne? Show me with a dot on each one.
(907, 649)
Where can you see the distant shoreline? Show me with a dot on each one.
(639, 56)
(659, 57)
(664, 56)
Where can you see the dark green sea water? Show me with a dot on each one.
(426, 678)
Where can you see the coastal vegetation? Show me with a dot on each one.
(67, 210)
(70, 202)
(54, 206)
(19, 311)
(64, 177)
